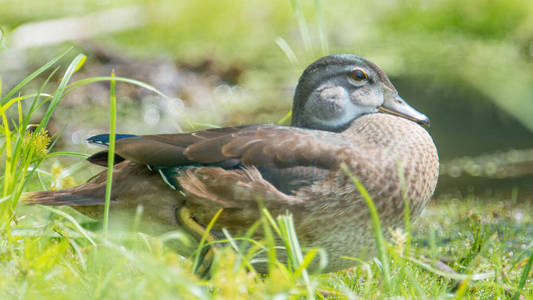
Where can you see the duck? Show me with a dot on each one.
(346, 115)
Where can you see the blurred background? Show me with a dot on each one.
(468, 65)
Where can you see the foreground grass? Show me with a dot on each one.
(461, 248)
(45, 256)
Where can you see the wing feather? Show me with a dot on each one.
(254, 145)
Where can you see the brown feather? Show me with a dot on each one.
(133, 185)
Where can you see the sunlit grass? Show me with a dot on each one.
(111, 153)
(58, 253)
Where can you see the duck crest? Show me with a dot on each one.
(285, 168)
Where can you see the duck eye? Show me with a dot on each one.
(358, 75)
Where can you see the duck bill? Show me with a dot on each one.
(395, 105)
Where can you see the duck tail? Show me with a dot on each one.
(67, 197)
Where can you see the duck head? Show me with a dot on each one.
(336, 89)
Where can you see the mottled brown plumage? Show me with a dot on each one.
(336, 120)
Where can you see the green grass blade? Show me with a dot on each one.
(32, 76)
(111, 151)
(203, 239)
(523, 277)
(376, 226)
(66, 153)
(285, 118)
(243, 260)
(322, 33)
(287, 50)
(83, 232)
(77, 84)
(59, 93)
(36, 97)
(303, 26)
(269, 224)
(294, 251)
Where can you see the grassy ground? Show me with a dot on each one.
(51, 259)
(460, 248)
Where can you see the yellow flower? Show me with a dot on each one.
(61, 176)
(39, 141)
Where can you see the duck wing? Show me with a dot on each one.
(250, 145)
(284, 158)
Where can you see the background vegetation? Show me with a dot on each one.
(468, 65)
